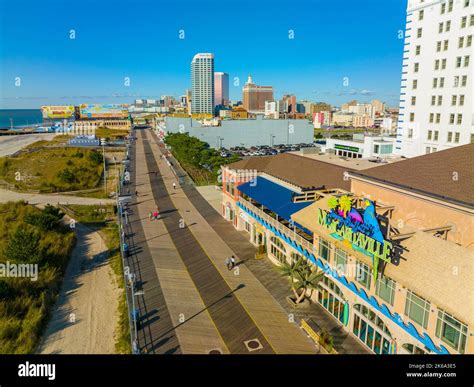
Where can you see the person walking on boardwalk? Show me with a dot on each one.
(232, 262)
(174, 185)
(150, 215)
(227, 263)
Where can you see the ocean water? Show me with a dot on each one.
(20, 117)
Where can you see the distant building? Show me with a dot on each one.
(342, 118)
(322, 119)
(362, 121)
(361, 146)
(202, 79)
(378, 107)
(244, 132)
(254, 96)
(221, 88)
(84, 141)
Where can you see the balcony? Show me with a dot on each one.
(296, 236)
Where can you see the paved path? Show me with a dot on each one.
(12, 144)
(89, 295)
(264, 270)
(252, 311)
(8, 196)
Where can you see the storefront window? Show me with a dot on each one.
(324, 249)
(296, 257)
(417, 309)
(340, 260)
(277, 249)
(363, 274)
(371, 330)
(385, 289)
(331, 298)
(451, 331)
(413, 349)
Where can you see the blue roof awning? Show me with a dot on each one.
(273, 196)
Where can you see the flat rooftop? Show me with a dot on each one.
(355, 164)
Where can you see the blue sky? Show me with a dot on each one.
(333, 39)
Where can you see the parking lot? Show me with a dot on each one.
(263, 150)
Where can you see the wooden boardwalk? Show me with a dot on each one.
(234, 324)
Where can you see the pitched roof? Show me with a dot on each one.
(298, 170)
(447, 174)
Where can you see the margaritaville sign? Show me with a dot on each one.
(360, 227)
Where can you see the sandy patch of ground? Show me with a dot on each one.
(85, 317)
(12, 144)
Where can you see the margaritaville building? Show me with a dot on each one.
(396, 241)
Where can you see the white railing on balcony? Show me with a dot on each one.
(279, 226)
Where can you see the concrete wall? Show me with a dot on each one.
(245, 133)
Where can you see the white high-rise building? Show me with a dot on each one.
(202, 79)
(436, 98)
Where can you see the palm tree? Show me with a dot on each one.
(301, 277)
(345, 204)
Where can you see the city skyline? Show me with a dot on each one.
(315, 61)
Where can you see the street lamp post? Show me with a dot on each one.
(102, 142)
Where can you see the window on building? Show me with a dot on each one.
(458, 61)
(415, 84)
(385, 289)
(421, 14)
(461, 42)
(340, 260)
(466, 61)
(450, 136)
(433, 100)
(430, 135)
(461, 100)
(324, 249)
(416, 67)
(453, 100)
(463, 21)
(456, 137)
(445, 46)
(451, 331)
(456, 81)
(417, 309)
(438, 118)
(459, 119)
(431, 118)
(410, 133)
(427, 150)
(363, 274)
(448, 25)
(412, 117)
(436, 135)
(450, 5)
(440, 100)
(441, 82)
(451, 119)
(471, 20)
(417, 50)
(435, 83)
(443, 8)
(464, 81)
(413, 349)
(436, 66)
(443, 64)
(419, 32)
(277, 249)
(413, 100)
(438, 47)
(469, 41)
(440, 28)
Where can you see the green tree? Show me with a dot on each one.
(23, 246)
(301, 277)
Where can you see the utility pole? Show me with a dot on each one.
(102, 142)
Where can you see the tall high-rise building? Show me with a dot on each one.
(221, 88)
(202, 79)
(436, 98)
(254, 96)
